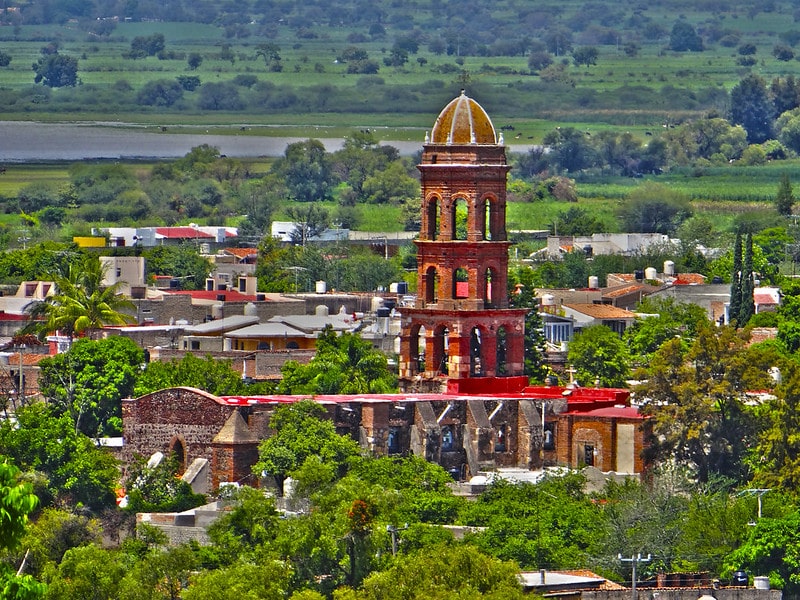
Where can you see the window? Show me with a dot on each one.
(549, 440)
(195, 344)
(393, 443)
(588, 455)
(447, 438)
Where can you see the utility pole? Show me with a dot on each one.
(634, 560)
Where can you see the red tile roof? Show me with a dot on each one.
(689, 279)
(242, 252)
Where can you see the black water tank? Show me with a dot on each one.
(717, 279)
(740, 578)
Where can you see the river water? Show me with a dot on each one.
(28, 141)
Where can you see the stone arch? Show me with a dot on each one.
(476, 358)
(177, 449)
(460, 275)
(488, 208)
(432, 216)
(460, 217)
(417, 357)
(441, 349)
(431, 285)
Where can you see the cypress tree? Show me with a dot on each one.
(736, 281)
(784, 200)
(747, 307)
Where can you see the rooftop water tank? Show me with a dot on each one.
(548, 300)
(250, 310)
(594, 282)
(321, 287)
(669, 268)
(321, 310)
(650, 273)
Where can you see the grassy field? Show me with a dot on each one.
(638, 92)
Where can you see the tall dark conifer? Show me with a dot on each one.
(736, 281)
(784, 200)
(747, 303)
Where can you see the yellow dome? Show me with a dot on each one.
(463, 121)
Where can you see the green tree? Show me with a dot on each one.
(570, 150)
(300, 434)
(181, 262)
(665, 319)
(391, 185)
(194, 60)
(752, 108)
(17, 502)
(684, 37)
(654, 208)
(89, 381)
(53, 534)
(524, 296)
(599, 354)
(267, 580)
(160, 92)
(87, 573)
(784, 199)
(771, 550)
(747, 307)
(75, 469)
(436, 572)
(553, 522)
(82, 305)
(159, 488)
(56, 70)
(735, 305)
(343, 364)
(306, 169)
(585, 55)
(695, 398)
(208, 374)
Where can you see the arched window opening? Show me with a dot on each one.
(487, 290)
(501, 439)
(292, 345)
(441, 348)
(178, 452)
(502, 351)
(461, 283)
(448, 439)
(431, 285)
(475, 343)
(432, 219)
(487, 219)
(460, 219)
(417, 347)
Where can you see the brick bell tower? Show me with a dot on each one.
(461, 325)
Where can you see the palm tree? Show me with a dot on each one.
(82, 305)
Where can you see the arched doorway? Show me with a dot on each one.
(502, 352)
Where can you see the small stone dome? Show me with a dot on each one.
(463, 121)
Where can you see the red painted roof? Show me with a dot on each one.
(179, 233)
(230, 295)
(609, 412)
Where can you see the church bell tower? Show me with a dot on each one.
(461, 325)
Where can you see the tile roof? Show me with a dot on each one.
(241, 253)
(601, 311)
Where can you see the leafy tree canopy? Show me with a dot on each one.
(89, 381)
